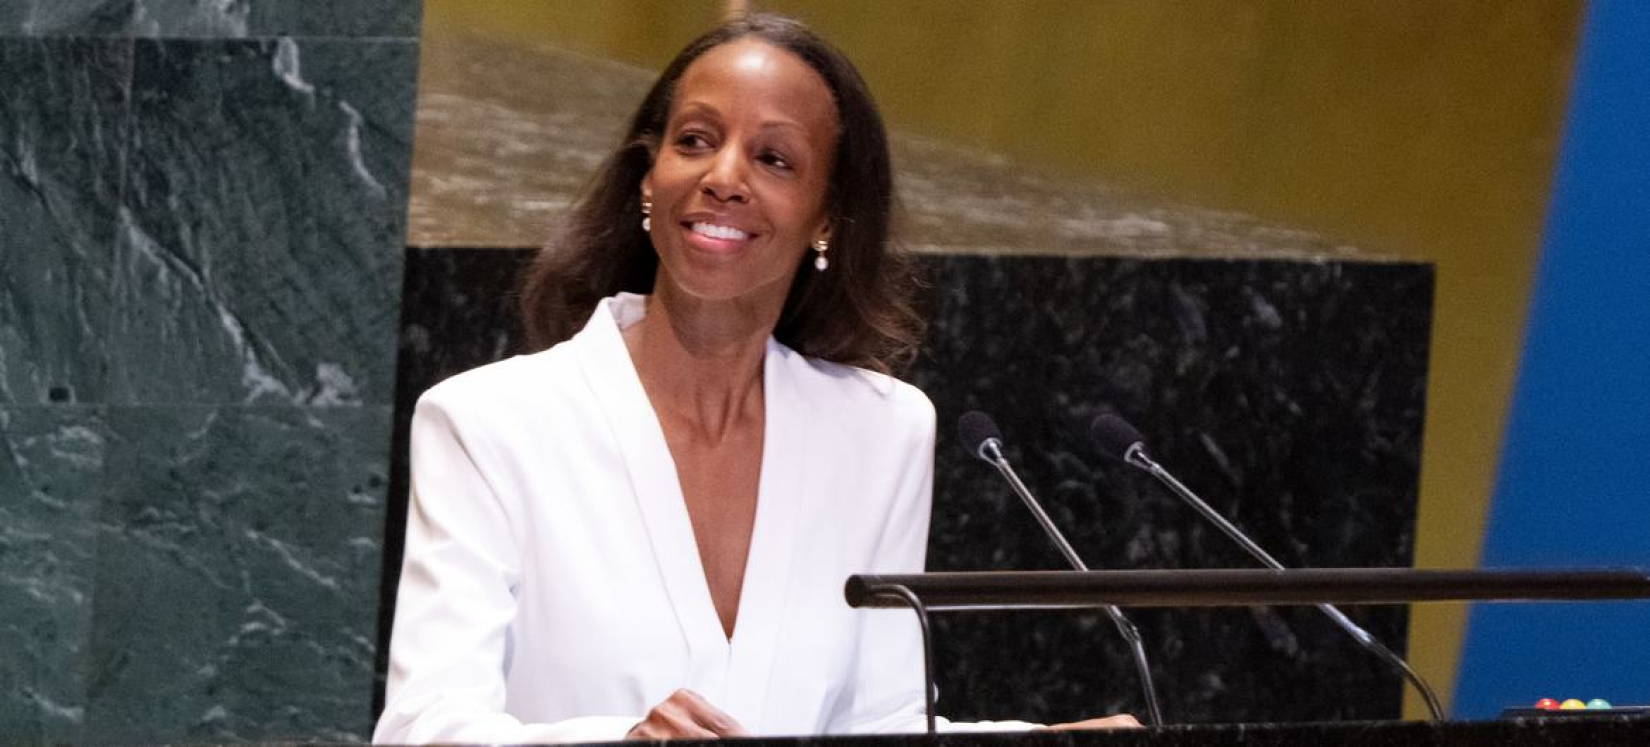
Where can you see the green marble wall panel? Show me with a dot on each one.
(211, 19)
(64, 17)
(257, 251)
(51, 469)
(237, 574)
(202, 211)
(62, 118)
(214, 18)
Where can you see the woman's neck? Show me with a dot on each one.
(701, 362)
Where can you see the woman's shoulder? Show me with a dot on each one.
(506, 383)
(859, 392)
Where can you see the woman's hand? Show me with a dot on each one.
(686, 715)
(1120, 721)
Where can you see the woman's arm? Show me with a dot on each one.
(456, 603)
(888, 680)
(886, 691)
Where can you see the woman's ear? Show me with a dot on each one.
(647, 186)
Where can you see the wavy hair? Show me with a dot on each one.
(860, 312)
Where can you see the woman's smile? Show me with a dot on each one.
(717, 237)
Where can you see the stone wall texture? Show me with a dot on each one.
(202, 214)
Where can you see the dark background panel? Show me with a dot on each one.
(1290, 394)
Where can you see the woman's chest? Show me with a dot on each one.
(624, 631)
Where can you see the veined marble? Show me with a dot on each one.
(255, 18)
(200, 240)
(211, 19)
(65, 17)
(63, 117)
(51, 485)
(1289, 394)
(256, 246)
(236, 570)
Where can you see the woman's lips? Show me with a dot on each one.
(716, 238)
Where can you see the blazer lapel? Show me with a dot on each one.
(612, 377)
(781, 492)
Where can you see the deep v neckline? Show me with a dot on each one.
(743, 659)
(706, 519)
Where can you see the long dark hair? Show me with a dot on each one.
(859, 311)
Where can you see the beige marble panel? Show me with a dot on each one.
(508, 132)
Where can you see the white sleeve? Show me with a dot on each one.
(886, 692)
(457, 600)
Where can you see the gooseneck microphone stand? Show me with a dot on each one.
(1135, 455)
(990, 450)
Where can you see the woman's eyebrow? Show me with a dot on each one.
(697, 108)
(783, 124)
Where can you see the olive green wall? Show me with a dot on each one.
(1413, 128)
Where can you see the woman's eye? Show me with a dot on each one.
(692, 140)
(775, 160)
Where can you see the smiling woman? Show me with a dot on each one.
(643, 530)
(859, 312)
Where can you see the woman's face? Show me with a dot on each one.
(738, 185)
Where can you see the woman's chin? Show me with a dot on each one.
(721, 285)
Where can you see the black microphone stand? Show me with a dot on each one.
(1135, 456)
(991, 451)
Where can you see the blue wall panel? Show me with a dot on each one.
(1574, 482)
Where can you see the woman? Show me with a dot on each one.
(643, 531)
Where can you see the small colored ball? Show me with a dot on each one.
(1547, 704)
(1572, 705)
(1598, 703)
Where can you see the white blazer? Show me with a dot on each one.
(552, 589)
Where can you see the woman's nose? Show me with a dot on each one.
(725, 179)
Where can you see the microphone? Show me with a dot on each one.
(982, 439)
(1120, 440)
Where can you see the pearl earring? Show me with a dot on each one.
(820, 262)
(647, 216)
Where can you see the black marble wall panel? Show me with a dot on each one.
(202, 214)
(464, 317)
(263, 208)
(1289, 392)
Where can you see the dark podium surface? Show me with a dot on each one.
(1576, 731)
(1580, 731)
(1553, 733)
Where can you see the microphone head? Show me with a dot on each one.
(1114, 435)
(976, 428)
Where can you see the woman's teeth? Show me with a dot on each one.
(719, 232)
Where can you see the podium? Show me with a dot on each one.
(1603, 732)
(964, 592)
